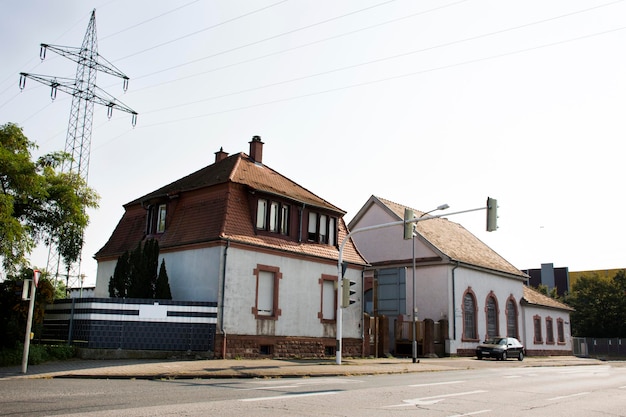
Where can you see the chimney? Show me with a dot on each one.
(256, 149)
(220, 155)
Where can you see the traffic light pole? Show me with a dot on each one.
(339, 334)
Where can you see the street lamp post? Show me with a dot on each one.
(414, 310)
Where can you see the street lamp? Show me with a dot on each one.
(414, 311)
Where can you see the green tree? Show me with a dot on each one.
(162, 290)
(38, 202)
(600, 306)
(136, 276)
(14, 310)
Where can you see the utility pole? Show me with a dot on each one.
(84, 94)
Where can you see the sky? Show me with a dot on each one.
(419, 102)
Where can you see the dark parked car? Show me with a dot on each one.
(501, 348)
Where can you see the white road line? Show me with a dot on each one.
(436, 383)
(512, 376)
(434, 399)
(473, 413)
(569, 396)
(289, 396)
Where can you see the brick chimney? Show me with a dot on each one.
(256, 149)
(220, 155)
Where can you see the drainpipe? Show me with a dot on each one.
(223, 297)
(454, 301)
(300, 223)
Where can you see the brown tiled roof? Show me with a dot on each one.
(241, 169)
(455, 242)
(213, 204)
(534, 297)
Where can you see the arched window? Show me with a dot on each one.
(511, 319)
(469, 316)
(492, 317)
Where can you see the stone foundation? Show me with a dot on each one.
(244, 346)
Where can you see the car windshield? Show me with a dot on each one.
(496, 341)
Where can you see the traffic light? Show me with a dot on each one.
(492, 214)
(347, 292)
(409, 228)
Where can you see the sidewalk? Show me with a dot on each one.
(267, 368)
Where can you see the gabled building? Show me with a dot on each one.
(260, 246)
(459, 281)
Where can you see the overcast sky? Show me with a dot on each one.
(419, 102)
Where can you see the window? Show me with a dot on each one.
(332, 231)
(537, 327)
(322, 229)
(329, 298)
(266, 305)
(272, 216)
(511, 318)
(312, 226)
(560, 330)
(469, 317)
(261, 217)
(161, 219)
(492, 317)
(284, 220)
(549, 331)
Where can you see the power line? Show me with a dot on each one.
(392, 78)
(396, 56)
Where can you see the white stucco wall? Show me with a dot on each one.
(528, 330)
(299, 295)
(193, 274)
(431, 292)
(386, 243)
(482, 284)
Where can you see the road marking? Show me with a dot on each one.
(473, 413)
(569, 396)
(512, 376)
(321, 381)
(434, 399)
(436, 383)
(289, 396)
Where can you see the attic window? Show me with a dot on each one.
(322, 229)
(272, 216)
(161, 219)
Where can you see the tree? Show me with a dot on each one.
(135, 274)
(600, 306)
(162, 290)
(14, 310)
(39, 203)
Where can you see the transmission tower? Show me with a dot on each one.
(84, 94)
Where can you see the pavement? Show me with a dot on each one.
(268, 368)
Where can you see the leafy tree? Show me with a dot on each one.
(38, 203)
(162, 290)
(135, 274)
(14, 310)
(600, 306)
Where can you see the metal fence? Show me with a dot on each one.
(593, 347)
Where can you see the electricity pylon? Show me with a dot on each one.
(84, 94)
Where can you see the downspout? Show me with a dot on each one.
(223, 297)
(454, 300)
(300, 223)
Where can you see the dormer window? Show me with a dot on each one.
(155, 222)
(161, 218)
(322, 229)
(272, 216)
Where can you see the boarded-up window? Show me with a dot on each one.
(328, 300)
(492, 317)
(265, 296)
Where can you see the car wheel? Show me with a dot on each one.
(479, 357)
(503, 356)
(520, 357)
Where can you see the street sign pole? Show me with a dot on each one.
(29, 320)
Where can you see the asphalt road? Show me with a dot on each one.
(589, 391)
